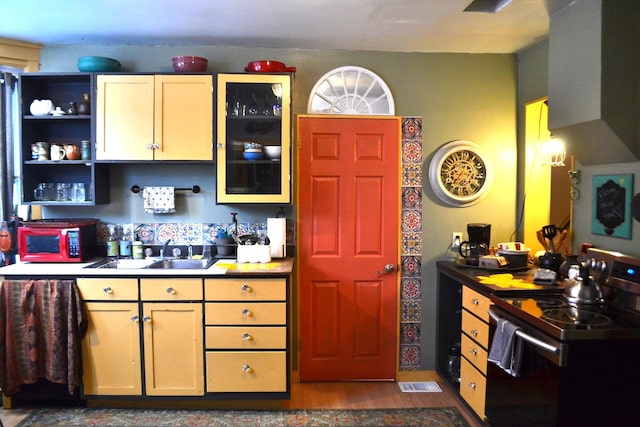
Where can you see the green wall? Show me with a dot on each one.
(459, 96)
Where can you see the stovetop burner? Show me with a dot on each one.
(584, 318)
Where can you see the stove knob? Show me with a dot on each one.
(603, 266)
(593, 264)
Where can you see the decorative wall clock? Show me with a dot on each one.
(351, 90)
(460, 174)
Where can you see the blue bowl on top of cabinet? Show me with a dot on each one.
(98, 64)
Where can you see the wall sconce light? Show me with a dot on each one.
(553, 152)
(575, 180)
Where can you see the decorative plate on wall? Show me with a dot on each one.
(351, 90)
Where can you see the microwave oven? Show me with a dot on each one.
(58, 240)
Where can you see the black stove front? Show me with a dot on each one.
(579, 362)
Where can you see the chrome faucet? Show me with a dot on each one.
(164, 248)
(189, 250)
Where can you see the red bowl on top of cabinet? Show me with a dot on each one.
(269, 66)
(189, 64)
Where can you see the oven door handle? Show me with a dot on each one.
(541, 344)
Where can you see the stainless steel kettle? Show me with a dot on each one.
(583, 289)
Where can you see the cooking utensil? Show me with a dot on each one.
(561, 242)
(549, 232)
(543, 242)
(268, 66)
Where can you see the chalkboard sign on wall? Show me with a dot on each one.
(612, 205)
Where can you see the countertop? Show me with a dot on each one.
(222, 267)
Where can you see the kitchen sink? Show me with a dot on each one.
(167, 263)
(183, 264)
(124, 264)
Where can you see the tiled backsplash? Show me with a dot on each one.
(181, 233)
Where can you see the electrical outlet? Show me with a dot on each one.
(456, 239)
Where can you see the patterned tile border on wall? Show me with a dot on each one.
(411, 244)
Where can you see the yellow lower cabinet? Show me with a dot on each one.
(244, 371)
(173, 349)
(246, 337)
(111, 349)
(475, 353)
(473, 387)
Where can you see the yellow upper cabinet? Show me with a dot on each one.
(254, 138)
(154, 117)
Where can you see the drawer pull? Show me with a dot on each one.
(108, 290)
(474, 332)
(146, 318)
(135, 318)
(474, 351)
(475, 301)
(247, 369)
(246, 337)
(472, 386)
(246, 288)
(171, 291)
(247, 313)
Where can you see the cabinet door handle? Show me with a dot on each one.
(474, 332)
(472, 386)
(246, 337)
(475, 301)
(171, 291)
(108, 290)
(246, 288)
(474, 351)
(146, 318)
(247, 369)
(135, 318)
(246, 312)
(220, 145)
(150, 146)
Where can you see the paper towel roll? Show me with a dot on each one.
(277, 233)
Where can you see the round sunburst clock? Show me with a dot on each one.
(460, 174)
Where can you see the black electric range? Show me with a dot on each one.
(577, 362)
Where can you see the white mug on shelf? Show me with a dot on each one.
(57, 152)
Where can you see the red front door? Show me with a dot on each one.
(348, 233)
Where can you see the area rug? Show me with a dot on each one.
(72, 417)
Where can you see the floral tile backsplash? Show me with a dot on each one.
(181, 233)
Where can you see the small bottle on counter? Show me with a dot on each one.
(113, 249)
(137, 250)
(125, 248)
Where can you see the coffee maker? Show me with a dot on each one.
(477, 245)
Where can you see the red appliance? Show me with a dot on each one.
(58, 240)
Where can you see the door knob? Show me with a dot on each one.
(388, 268)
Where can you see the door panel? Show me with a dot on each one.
(349, 206)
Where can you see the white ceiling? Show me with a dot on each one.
(381, 25)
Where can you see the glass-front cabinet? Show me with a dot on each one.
(56, 150)
(254, 138)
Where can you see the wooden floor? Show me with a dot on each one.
(351, 395)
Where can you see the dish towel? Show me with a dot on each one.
(159, 200)
(506, 348)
